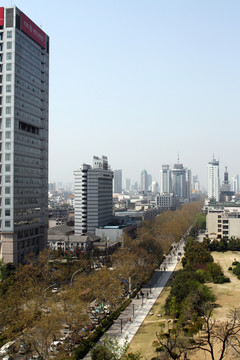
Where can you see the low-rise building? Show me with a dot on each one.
(223, 220)
(166, 201)
(115, 233)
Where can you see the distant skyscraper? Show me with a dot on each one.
(213, 179)
(235, 183)
(149, 181)
(155, 187)
(189, 184)
(196, 184)
(93, 196)
(144, 181)
(226, 183)
(117, 181)
(165, 179)
(24, 67)
(127, 184)
(179, 181)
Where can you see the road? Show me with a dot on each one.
(129, 321)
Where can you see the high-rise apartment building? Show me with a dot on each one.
(24, 74)
(93, 196)
(213, 179)
(165, 179)
(117, 181)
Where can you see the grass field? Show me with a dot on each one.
(228, 297)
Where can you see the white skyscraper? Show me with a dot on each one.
(24, 67)
(213, 179)
(165, 180)
(93, 196)
(235, 183)
(144, 181)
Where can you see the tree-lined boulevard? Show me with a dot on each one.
(48, 294)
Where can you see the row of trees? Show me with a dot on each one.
(190, 305)
(224, 244)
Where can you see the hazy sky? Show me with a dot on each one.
(140, 81)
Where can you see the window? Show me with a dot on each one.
(7, 212)
(9, 45)
(8, 122)
(8, 135)
(9, 56)
(8, 110)
(8, 77)
(9, 34)
(7, 201)
(8, 88)
(7, 223)
(7, 179)
(7, 157)
(8, 99)
(7, 146)
(7, 190)
(7, 167)
(8, 66)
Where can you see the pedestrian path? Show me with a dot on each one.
(129, 321)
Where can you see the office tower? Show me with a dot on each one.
(144, 181)
(213, 179)
(24, 66)
(165, 179)
(127, 184)
(179, 181)
(93, 196)
(235, 183)
(117, 181)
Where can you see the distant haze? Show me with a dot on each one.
(140, 81)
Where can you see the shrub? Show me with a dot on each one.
(221, 279)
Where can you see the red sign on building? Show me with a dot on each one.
(33, 30)
(1, 16)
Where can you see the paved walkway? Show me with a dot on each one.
(124, 329)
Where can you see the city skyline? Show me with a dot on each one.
(152, 78)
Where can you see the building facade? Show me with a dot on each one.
(24, 67)
(165, 179)
(144, 181)
(235, 183)
(179, 181)
(213, 180)
(93, 196)
(166, 201)
(223, 224)
(117, 181)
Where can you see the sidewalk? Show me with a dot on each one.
(123, 329)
